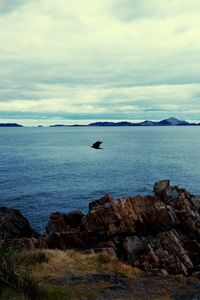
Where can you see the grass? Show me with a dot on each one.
(73, 262)
(13, 270)
(46, 275)
(9, 294)
(78, 290)
(16, 280)
(31, 275)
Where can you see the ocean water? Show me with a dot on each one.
(43, 170)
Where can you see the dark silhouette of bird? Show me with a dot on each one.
(97, 145)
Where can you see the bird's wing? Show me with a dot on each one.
(97, 144)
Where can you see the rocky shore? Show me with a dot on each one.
(159, 233)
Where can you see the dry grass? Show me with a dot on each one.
(62, 263)
(54, 270)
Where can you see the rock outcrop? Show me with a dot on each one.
(160, 232)
(13, 224)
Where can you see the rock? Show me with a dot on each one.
(62, 222)
(196, 274)
(166, 251)
(88, 251)
(102, 201)
(133, 247)
(160, 234)
(133, 214)
(196, 202)
(160, 187)
(194, 270)
(73, 219)
(107, 250)
(74, 239)
(193, 249)
(13, 224)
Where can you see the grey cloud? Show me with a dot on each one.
(133, 10)
(7, 6)
(130, 10)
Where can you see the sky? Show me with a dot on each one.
(79, 61)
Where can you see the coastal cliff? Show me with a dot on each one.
(159, 233)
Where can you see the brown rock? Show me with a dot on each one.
(133, 214)
(107, 250)
(133, 247)
(64, 222)
(102, 201)
(13, 224)
(196, 202)
(158, 233)
(160, 187)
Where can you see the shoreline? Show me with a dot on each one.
(128, 228)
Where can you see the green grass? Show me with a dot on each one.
(16, 281)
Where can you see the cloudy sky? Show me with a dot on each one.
(76, 61)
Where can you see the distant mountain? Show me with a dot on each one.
(64, 125)
(148, 123)
(123, 123)
(166, 122)
(10, 125)
(173, 122)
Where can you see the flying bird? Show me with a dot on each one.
(97, 145)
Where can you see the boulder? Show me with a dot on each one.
(62, 222)
(13, 224)
(160, 187)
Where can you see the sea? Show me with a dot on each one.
(49, 169)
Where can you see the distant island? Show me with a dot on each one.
(10, 125)
(166, 122)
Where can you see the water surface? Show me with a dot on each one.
(54, 169)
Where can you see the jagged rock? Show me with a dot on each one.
(13, 224)
(133, 214)
(74, 239)
(160, 187)
(102, 201)
(196, 203)
(62, 222)
(133, 247)
(153, 232)
(160, 233)
(166, 251)
(193, 249)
